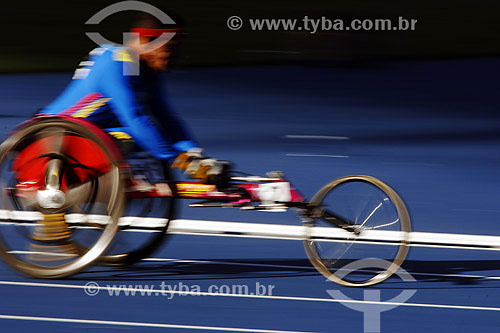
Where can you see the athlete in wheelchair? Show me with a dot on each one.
(97, 161)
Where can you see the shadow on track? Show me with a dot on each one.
(471, 272)
(465, 273)
(203, 269)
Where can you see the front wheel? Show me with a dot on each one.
(369, 220)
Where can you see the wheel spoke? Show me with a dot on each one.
(381, 209)
(53, 138)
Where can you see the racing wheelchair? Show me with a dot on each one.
(72, 196)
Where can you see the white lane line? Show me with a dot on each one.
(122, 289)
(140, 324)
(317, 137)
(319, 234)
(327, 234)
(43, 253)
(317, 155)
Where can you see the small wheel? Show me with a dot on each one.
(61, 197)
(370, 221)
(136, 241)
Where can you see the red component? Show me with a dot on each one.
(252, 189)
(296, 197)
(99, 133)
(30, 167)
(188, 189)
(145, 32)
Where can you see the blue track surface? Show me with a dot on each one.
(430, 130)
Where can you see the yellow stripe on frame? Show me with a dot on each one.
(88, 109)
(120, 135)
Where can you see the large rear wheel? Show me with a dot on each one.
(143, 227)
(61, 197)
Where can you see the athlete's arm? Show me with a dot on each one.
(175, 127)
(143, 126)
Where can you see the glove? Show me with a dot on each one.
(204, 168)
(184, 159)
(209, 170)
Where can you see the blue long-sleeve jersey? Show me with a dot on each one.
(126, 104)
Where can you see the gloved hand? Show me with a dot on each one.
(209, 170)
(184, 159)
